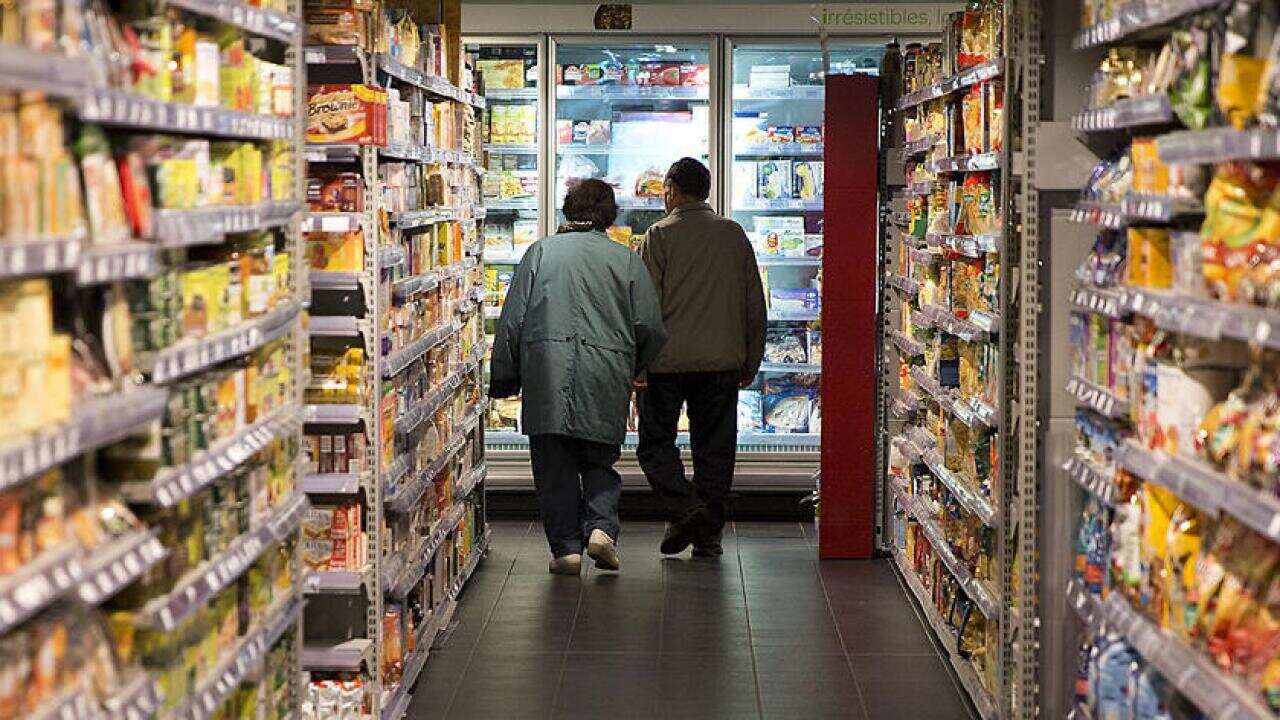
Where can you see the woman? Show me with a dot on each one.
(580, 324)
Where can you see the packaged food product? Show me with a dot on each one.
(336, 252)
(807, 182)
(774, 180)
(346, 114)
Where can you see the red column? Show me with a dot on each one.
(850, 266)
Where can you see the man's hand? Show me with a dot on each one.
(745, 380)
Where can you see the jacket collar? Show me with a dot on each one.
(691, 207)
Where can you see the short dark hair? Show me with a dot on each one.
(591, 201)
(691, 178)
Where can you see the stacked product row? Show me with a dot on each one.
(1177, 553)
(393, 445)
(945, 464)
(149, 321)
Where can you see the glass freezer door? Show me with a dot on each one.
(623, 113)
(510, 74)
(511, 125)
(775, 191)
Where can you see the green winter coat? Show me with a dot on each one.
(580, 323)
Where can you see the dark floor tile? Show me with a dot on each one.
(909, 687)
(526, 637)
(860, 580)
(506, 530)
(436, 685)
(806, 685)
(508, 685)
(610, 686)
(617, 631)
(882, 628)
(700, 687)
(814, 642)
(768, 530)
(930, 669)
(904, 686)
(702, 640)
(641, 528)
(774, 601)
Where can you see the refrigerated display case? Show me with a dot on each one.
(623, 110)
(510, 73)
(774, 143)
(623, 113)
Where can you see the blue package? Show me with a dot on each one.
(1151, 694)
(1114, 667)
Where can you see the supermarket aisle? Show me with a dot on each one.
(763, 633)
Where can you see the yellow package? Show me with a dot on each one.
(336, 252)
(283, 272)
(195, 301)
(1150, 261)
(250, 189)
(178, 179)
(1239, 81)
(283, 177)
(1150, 175)
(54, 383)
(502, 74)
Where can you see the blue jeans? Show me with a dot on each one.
(578, 489)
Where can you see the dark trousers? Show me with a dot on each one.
(712, 399)
(578, 489)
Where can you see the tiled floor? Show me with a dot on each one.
(765, 632)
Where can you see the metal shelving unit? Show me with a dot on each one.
(350, 604)
(1007, 594)
(1183, 315)
(91, 576)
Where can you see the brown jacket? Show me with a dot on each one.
(709, 286)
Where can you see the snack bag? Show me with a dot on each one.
(973, 108)
(1190, 93)
(978, 215)
(1238, 226)
(1239, 87)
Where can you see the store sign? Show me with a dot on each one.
(774, 19)
(882, 18)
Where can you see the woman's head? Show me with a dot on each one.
(591, 203)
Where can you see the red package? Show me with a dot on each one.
(695, 75)
(136, 191)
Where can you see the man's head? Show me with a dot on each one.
(591, 202)
(687, 181)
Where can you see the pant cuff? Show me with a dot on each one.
(560, 548)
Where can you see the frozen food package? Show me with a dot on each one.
(523, 234)
(750, 129)
(785, 345)
(780, 235)
(786, 410)
(750, 417)
(774, 180)
(598, 132)
(505, 74)
(807, 179)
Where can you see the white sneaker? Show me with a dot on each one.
(601, 548)
(566, 565)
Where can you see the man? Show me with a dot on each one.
(713, 309)
(580, 323)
